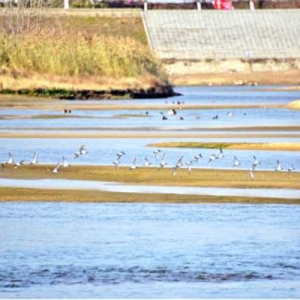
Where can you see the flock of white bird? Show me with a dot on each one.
(160, 161)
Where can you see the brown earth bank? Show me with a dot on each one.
(289, 77)
(70, 89)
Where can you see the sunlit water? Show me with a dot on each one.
(152, 250)
(103, 152)
(149, 250)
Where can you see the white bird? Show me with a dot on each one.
(230, 114)
(163, 161)
(221, 154)
(133, 166)
(76, 154)
(212, 158)
(178, 165)
(189, 166)
(147, 162)
(120, 154)
(236, 162)
(65, 164)
(251, 174)
(156, 152)
(278, 167)
(116, 162)
(82, 150)
(197, 157)
(35, 159)
(55, 170)
(10, 159)
(255, 162)
(290, 169)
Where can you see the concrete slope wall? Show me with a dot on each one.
(238, 34)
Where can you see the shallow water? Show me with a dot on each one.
(197, 118)
(103, 152)
(86, 250)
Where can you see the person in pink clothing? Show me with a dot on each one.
(223, 4)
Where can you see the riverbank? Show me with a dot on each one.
(237, 146)
(183, 76)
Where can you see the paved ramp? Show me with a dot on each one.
(207, 34)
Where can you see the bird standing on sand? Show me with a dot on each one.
(251, 174)
(1, 167)
(133, 166)
(278, 167)
(65, 164)
(55, 170)
(35, 159)
(10, 159)
(163, 162)
(189, 166)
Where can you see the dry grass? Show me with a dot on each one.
(240, 146)
(79, 53)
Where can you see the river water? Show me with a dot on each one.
(149, 250)
(89, 250)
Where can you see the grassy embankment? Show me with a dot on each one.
(80, 56)
(145, 176)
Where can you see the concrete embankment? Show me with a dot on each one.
(200, 46)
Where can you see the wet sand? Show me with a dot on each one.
(156, 185)
(40, 195)
(159, 177)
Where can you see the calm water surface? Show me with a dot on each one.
(149, 250)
